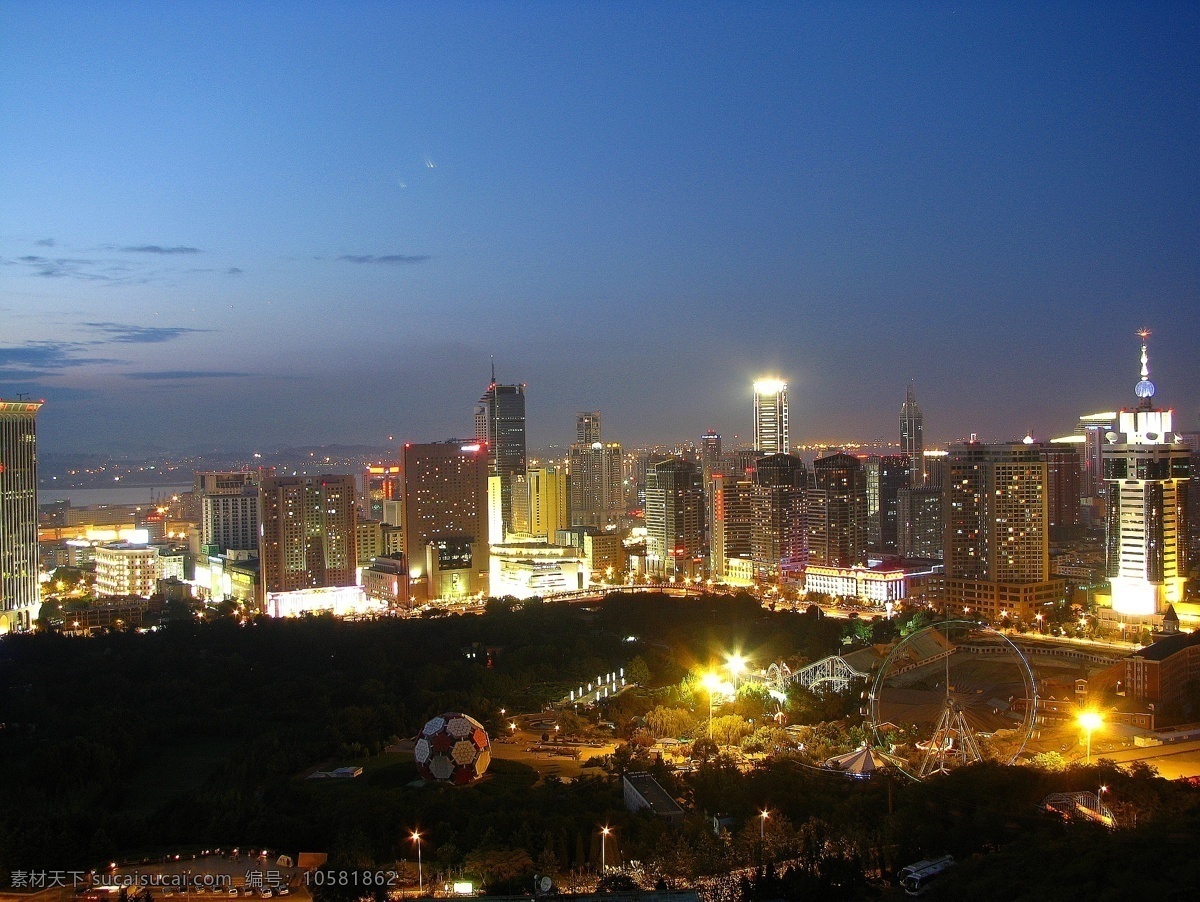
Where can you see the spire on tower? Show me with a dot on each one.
(1145, 388)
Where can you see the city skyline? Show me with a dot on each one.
(238, 228)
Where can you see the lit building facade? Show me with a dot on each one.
(501, 414)
(997, 539)
(126, 569)
(732, 523)
(886, 475)
(548, 502)
(381, 484)
(445, 494)
(229, 511)
(778, 533)
(771, 429)
(597, 492)
(912, 438)
(674, 519)
(1147, 471)
(19, 598)
(308, 532)
(587, 427)
(837, 512)
(919, 523)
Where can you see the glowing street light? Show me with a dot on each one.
(762, 824)
(604, 831)
(416, 836)
(1089, 721)
(737, 665)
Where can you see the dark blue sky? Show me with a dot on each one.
(298, 223)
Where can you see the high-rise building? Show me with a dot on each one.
(19, 598)
(771, 434)
(445, 497)
(778, 536)
(674, 519)
(997, 538)
(597, 493)
(710, 453)
(501, 414)
(548, 496)
(837, 512)
(732, 518)
(229, 510)
(919, 523)
(886, 475)
(587, 427)
(1147, 469)
(912, 438)
(380, 484)
(1064, 474)
(1094, 427)
(308, 532)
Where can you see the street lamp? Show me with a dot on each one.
(604, 831)
(737, 666)
(420, 872)
(762, 824)
(1089, 721)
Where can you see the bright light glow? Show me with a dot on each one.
(606, 830)
(463, 888)
(1090, 720)
(710, 681)
(736, 664)
(769, 386)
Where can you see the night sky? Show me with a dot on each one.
(242, 228)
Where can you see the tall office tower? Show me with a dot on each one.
(778, 538)
(229, 510)
(996, 527)
(732, 518)
(19, 598)
(837, 512)
(307, 532)
(1094, 427)
(587, 427)
(919, 523)
(597, 493)
(1064, 475)
(935, 469)
(674, 519)
(501, 411)
(548, 497)
(771, 417)
(380, 484)
(1146, 467)
(912, 438)
(886, 476)
(710, 454)
(445, 497)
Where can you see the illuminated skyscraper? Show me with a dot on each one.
(500, 423)
(1146, 468)
(837, 512)
(778, 536)
(597, 494)
(308, 532)
(912, 438)
(19, 599)
(380, 484)
(548, 498)
(886, 476)
(228, 510)
(587, 427)
(997, 537)
(732, 521)
(771, 417)
(445, 497)
(674, 519)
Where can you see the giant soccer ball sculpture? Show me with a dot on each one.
(453, 748)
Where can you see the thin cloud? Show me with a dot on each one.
(234, 271)
(156, 375)
(159, 249)
(38, 358)
(129, 334)
(393, 259)
(45, 242)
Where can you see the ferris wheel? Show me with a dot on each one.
(952, 694)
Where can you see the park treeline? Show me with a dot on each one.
(197, 736)
(127, 742)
